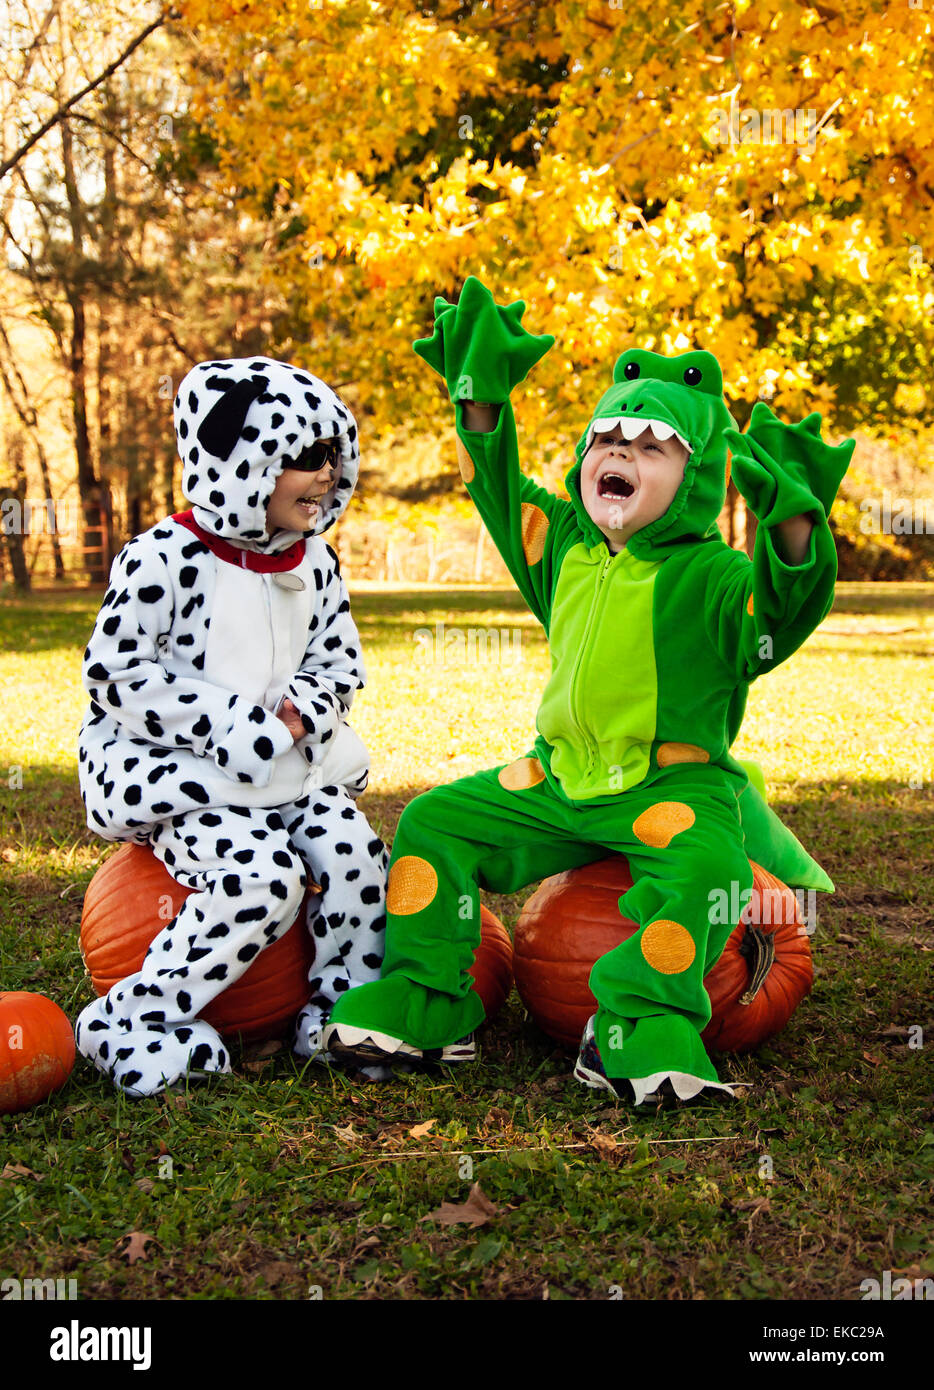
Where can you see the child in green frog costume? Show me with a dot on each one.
(656, 628)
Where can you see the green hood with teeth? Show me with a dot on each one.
(685, 393)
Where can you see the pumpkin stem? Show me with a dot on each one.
(758, 948)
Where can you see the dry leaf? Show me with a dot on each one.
(756, 1206)
(19, 1170)
(136, 1246)
(604, 1145)
(476, 1211)
(419, 1131)
(348, 1133)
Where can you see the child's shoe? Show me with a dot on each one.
(589, 1068)
(368, 1045)
(374, 1021)
(680, 1086)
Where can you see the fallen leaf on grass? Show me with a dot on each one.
(476, 1211)
(136, 1248)
(419, 1131)
(604, 1146)
(348, 1133)
(756, 1206)
(392, 1134)
(19, 1170)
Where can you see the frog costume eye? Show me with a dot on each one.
(697, 370)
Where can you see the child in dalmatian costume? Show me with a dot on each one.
(656, 628)
(221, 670)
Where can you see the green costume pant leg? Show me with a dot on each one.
(499, 829)
(682, 836)
(683, 839)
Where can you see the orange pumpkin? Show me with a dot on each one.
(37, 1050)
(574, 918)
(133, 896)
(128, 902)
(492, 965)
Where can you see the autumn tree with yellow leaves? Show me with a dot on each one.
(754, 179)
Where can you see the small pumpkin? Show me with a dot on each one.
(37, 1050)
(573, 919)
(133, 896)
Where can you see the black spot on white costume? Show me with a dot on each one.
(194, 648)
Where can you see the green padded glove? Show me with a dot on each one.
(786, 470)
(479, 346)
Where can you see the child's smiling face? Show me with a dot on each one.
(626, 484)
(294, 504)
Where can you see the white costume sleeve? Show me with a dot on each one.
(332, 668)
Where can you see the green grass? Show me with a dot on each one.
(284, 1177)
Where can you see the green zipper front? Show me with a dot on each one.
(573, 692)
(599, 709)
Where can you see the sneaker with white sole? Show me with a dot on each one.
(347, 1041)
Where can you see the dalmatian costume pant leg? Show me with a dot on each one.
(146, 1031)
(348, 922)
(208, 624)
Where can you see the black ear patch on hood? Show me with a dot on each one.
(222, 426)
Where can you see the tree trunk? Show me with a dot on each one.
(95, 498)
(13, 514)
(9, 370)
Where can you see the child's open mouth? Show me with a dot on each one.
(614, 487)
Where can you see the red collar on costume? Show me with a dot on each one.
(246, 559)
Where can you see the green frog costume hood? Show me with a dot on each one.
(680, 396)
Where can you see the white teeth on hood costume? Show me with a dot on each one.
(632, 426)
(208, 624)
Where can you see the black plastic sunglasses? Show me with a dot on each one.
(316, 456)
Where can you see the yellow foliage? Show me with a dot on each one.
(647, 201)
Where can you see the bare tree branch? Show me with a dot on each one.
(111, 68)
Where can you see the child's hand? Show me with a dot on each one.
(292, 720)
(479, 346)
(785, 471)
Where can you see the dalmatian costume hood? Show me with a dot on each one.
(238, 424)
(182, 709)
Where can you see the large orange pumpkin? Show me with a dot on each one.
(129, 901)
(133, 896)
(37, 1050)
(573, 919)
(492, 964)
